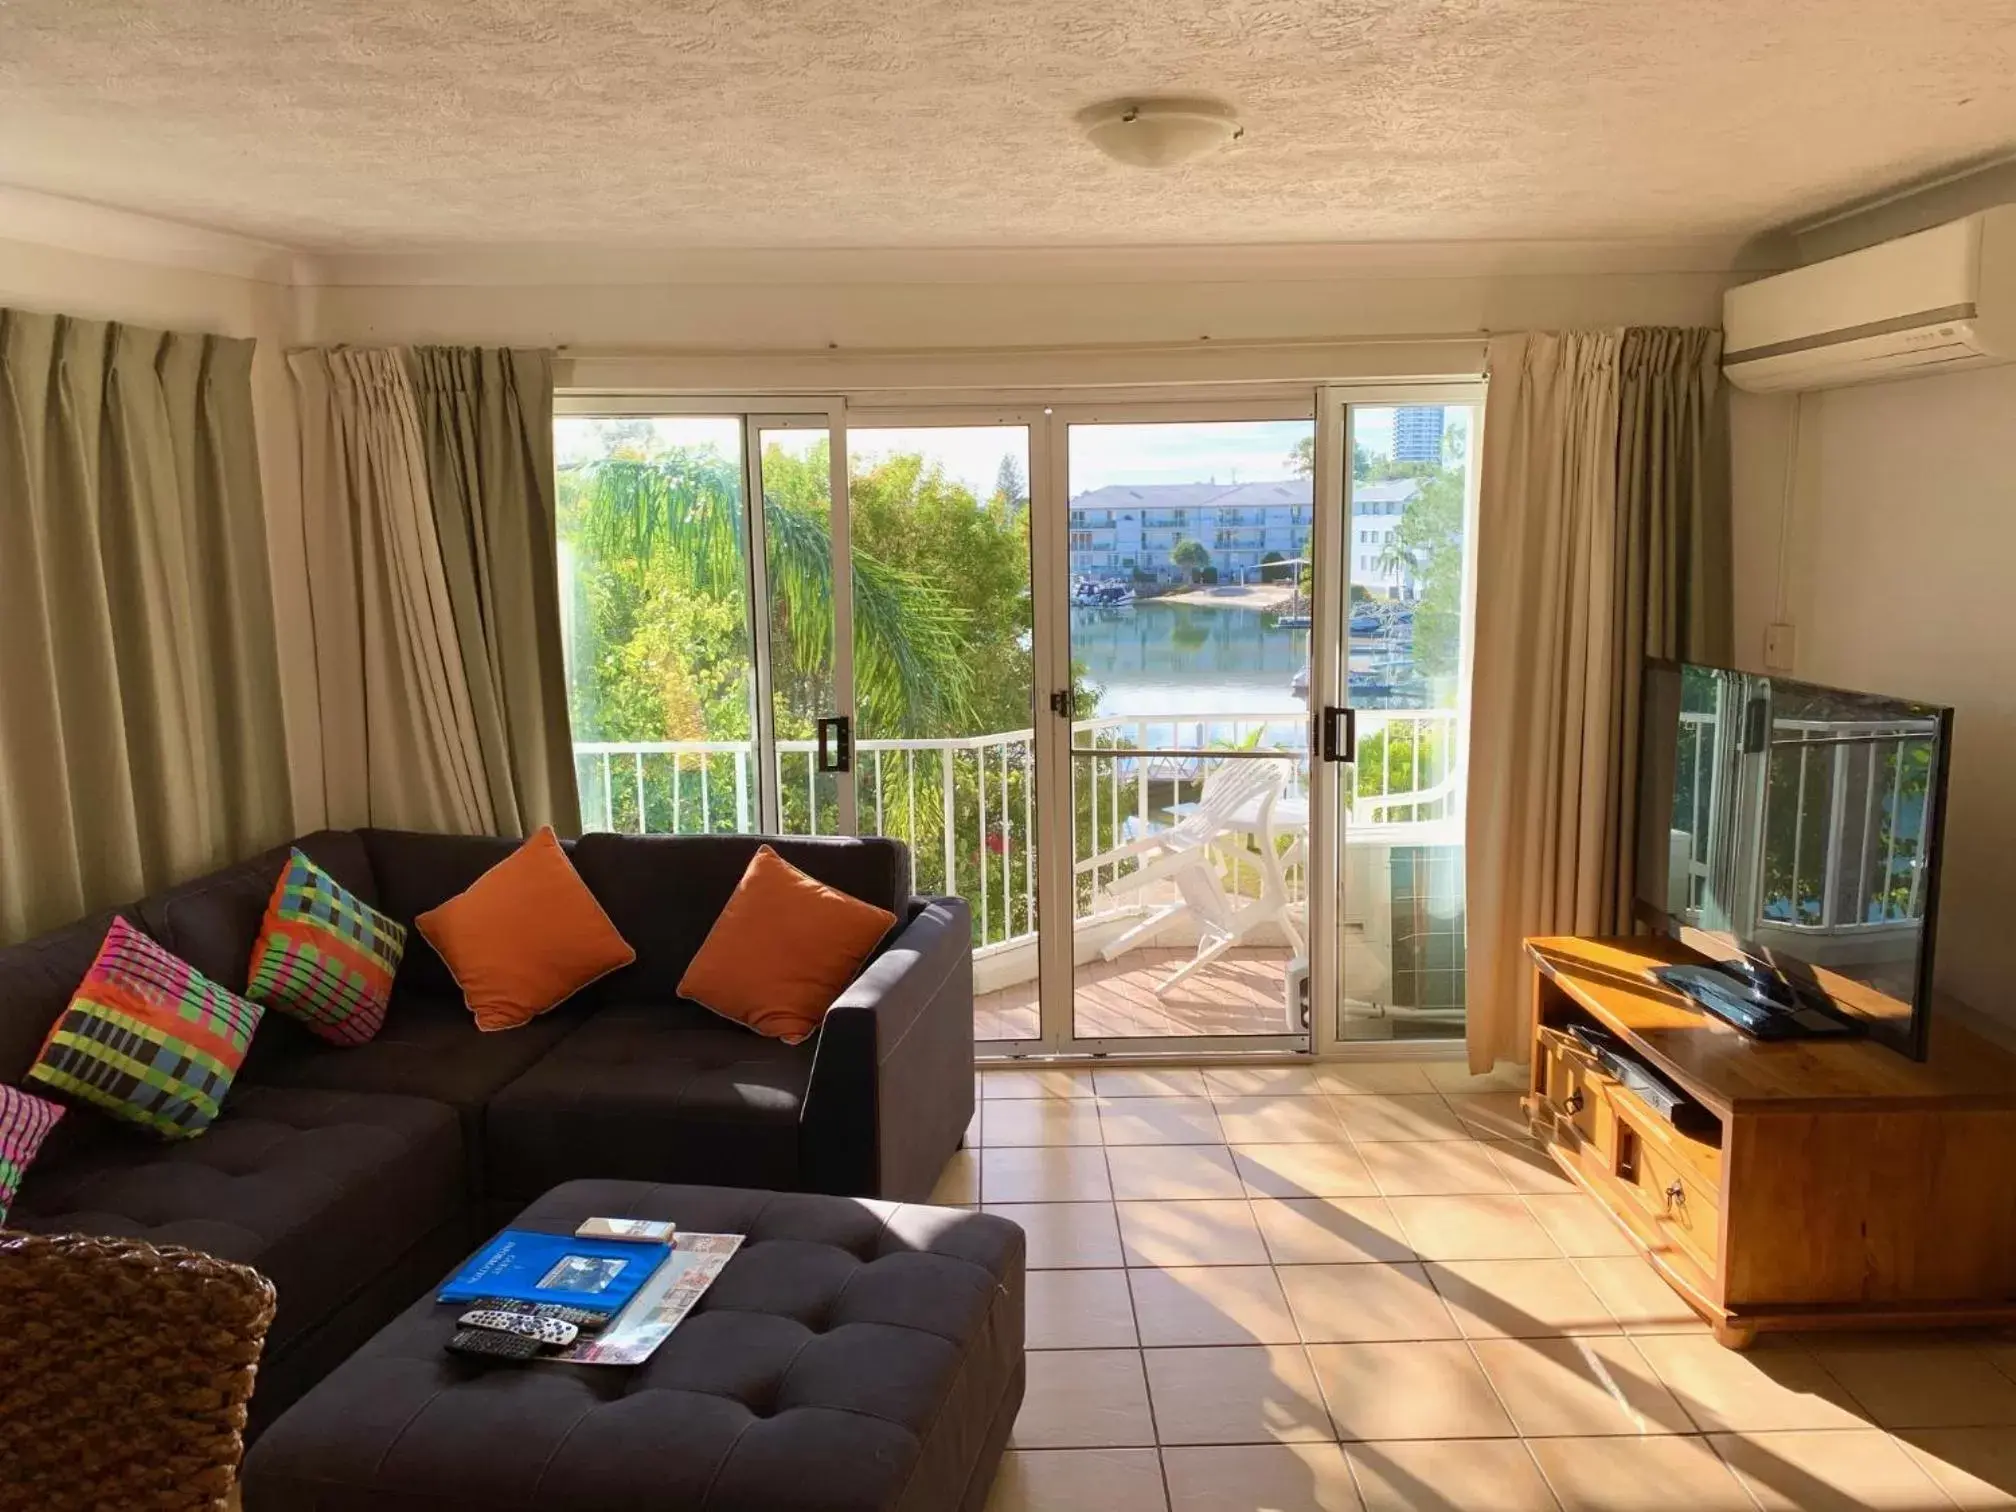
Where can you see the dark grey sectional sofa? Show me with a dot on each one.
(355, 1177)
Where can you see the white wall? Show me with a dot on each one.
(1899, 576)
(973, 319)
(181, 279)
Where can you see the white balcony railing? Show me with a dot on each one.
(966, 805)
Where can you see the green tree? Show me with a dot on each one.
(1302, 460)
(1191, 555)
(1009, 487)
(647, 530)
(1427, 546)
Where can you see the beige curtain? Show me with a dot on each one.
(487, 418)
(427, 483)
(1602, 538)
(141, 737)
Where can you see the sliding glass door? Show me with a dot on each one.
(1398, 722)
(708, 641)
(805, 595)
(1173, 694)
(657, 622)
(1187, 632)
(945, 683)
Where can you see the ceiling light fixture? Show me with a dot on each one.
(1159, 133)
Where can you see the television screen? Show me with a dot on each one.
(1792, 831)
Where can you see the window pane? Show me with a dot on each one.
(944, 684)
(655, 622)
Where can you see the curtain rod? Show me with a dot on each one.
(1195, 344)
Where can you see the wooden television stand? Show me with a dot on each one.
(1830, 1184)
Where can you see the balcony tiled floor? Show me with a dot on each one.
(1356, 1288)
(1239, 993)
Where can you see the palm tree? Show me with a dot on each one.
(909, 673)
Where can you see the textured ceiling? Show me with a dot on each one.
(914, 123)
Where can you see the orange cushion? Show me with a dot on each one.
(783, 949)
(525, 937)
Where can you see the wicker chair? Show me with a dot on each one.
(125, 1369)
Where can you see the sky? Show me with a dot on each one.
(1241, 451)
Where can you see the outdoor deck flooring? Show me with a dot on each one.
(1239, 993)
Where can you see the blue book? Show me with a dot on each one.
(522, 1265)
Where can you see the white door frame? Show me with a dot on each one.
(1329, 674)
(1047, 414)
(1056, 946)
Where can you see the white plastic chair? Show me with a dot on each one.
(1184, 855)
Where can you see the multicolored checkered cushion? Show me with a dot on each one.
(148, 1038)
(325, 956)
(25, 1121)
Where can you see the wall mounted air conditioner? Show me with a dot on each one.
(1930, 302)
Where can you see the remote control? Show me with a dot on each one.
(493, 1345)
(549, 1331)
(588, 1322)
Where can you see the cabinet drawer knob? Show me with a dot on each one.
(1676, 1195)
(1574, 1102)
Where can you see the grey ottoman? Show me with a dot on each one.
(853, 1355)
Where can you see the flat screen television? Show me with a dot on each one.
(1790, 835)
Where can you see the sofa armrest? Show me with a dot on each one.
(892, 1077)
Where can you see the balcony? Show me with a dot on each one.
(967, 808)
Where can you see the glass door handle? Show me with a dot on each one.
(1338, 737)
(836, 744)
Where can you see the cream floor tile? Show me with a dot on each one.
(1330, 1230)
(1218, 1232)
(1756, 1391)
(1520, 1299)
(1240, 1395)
(1433, 1168)
(971, 1138)
(1579, 1387)
(1277, 1477)
(1477, 1227)
(1272, 1118)
(1271, 1081)
(1078, 1480)
(1304, 1170)
(1454, 1076)
(1054, 1173)
(1578, 1223)
(1639, 1475)
(1066, 1235)
(1160, 1121)
(1828, 1472)
(1152, 1173)
(1343, 1304)
(1040, 1121)
(1085, 1399)
(1210, 1304)
(1362, 1078)
(1491, 1115)
(1369, 1119)
(1976, 1467)
(959, 1183)
(1079, 1309)
(1415, 1390)
(1638, 1296)
(1166, 1081)
(1449, 1475)
(1528, 1167)
(1057, 1082)
(1943, 1387)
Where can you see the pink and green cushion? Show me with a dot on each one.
(325, 956)
(148, 1038)
(25, 1121)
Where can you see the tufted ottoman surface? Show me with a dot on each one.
(853, 1355)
